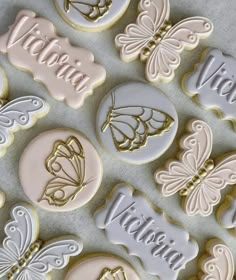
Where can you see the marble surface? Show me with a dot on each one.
(222, 13)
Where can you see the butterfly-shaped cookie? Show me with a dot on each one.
(155, 40)
(67, 165)
(24, 257)
(194, 175)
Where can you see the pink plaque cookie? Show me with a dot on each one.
(60, 170)
(68, 72)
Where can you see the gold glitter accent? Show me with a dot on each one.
(115, 274)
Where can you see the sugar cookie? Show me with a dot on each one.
(218, 264)
(128, 219)
(24, 256)
(2, 199)
(226, 214)
(66, 173)
(153, 39)
(212, 84)
(68, 72)
(136, 122)
(20, 113)
(104, 267)
(91, 15)
(194, 176)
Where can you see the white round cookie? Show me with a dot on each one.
(136, 122)
(91, 15)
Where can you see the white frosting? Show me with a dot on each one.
(130, 220)
(213, 82)
(22, 237)
(158, 42)
(194, 174)
(136, 122)
(91, 15)
(104, 267)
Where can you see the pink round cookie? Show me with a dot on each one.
(60, 170)
(104, 266)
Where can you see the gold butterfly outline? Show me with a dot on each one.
(115, 274)
(67, 165)
(131, 126)
(95, 12)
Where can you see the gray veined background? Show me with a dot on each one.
(222, 13)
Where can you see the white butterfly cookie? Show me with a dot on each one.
(24, 257)
(196, 177)
(153, 39)
(21, 113)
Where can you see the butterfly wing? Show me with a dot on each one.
(54, 255)
(20, 113)
(131, 126)
(136, 37)
(21, 232)
(203, 198)
(197, 146)
(165, 59)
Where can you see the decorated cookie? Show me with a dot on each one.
(104, 267)
(2, 199)
(193, 175)
(68, 72)
(136, 122)
(128, 219)
(154, 40)
(20, 113)
(91, 15)
(218, 263)
(66, 171)
(24, 256)
(226, 214)
(213, 84)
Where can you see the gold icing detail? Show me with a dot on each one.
(96, 11)
(198, 178)
(115, 274)
(67, 165)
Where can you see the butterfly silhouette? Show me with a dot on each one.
(95, 12)
(24, 257)
(153, 39)
(194, 175)
(67, 165)
(115, 274)
(131, 126)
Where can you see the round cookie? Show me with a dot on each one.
(91, 15)
(60, 170)
(102, 267)
(136, 122)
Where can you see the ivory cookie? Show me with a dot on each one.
(104, 267)
(193, 175)
(24, 256)
(213, 84)
(218, 264)
(226, 214)
(136, 122)
(91, 15)
(154, 40)
(68, 72)
(128, 219)
(66, 171)
(21, 113)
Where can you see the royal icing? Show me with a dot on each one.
(24, 256)
(153, 39)
(68, 72)
(91, 15)
(105, 267)
(136, 122)
(220, 264)
(130, 220)
(213, 83)
(66, 173)
(196, 177)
